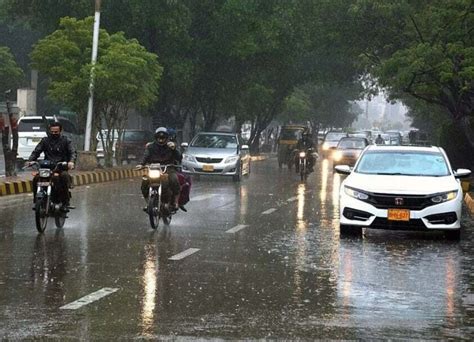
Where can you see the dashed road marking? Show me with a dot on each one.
(202, 197)
(184, 254)
(90, 298)
(269, 211)
(237, 228)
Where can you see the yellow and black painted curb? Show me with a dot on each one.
(82, 178)
(469, 199)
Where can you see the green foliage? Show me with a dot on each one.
(10, 74)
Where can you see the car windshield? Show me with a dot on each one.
(403, 163)
(351, 144)
(335, 136)
(290, 134)
(215, 141)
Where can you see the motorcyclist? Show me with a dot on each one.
(56, 148)
(184, 180)
(305, 143)
(164, 152)
(379, 140)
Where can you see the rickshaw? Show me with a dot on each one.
(287, 141)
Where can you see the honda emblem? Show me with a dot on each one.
(398, 200)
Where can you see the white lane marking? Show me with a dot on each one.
(237, 228)
(90, 298)
(202, 197)
(292, 199)
(184, 254)
(269, 211)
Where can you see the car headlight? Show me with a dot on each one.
(444, 197)
(154, 174)
(356, 193)
(325, 146)
(189, 158)
(337, 155)
(302, 154)
(231, 159)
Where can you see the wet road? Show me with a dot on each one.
(263, 259)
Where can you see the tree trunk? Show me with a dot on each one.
(10, 126)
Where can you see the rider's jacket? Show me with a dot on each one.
(55, 150)
(304, 144)
(156, 153)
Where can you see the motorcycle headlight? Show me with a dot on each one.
(325, 146)
(189, 158)
(356, 193)
(302, 154)
(154, 174)
(444, 197)
(337, 155)
(231, 159)
(44, 173)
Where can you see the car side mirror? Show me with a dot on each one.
(244, 147)
(462, 173)
(184, 145)
(343, 169)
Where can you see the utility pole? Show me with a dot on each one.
(90, 107)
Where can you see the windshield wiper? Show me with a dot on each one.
(392, 174)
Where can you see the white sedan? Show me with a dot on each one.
(401, 187)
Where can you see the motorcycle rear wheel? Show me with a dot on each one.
(153, 208)
(41, 215)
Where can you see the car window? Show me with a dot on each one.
(68, 126)
(214, 141)
(290, 134)
(351, 143)
(335, 136)
(403, 163)
(32, 125)
(135, 136)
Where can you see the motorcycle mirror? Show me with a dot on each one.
(184, 145)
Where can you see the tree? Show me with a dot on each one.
(424, 50)
(10, 77)
(126, 75)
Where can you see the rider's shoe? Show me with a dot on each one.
(183, 208)
(145, 209)
(64, 208)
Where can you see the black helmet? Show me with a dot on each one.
(161, 135)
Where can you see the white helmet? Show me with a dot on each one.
(161, 135)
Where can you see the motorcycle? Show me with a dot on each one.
(160, 197)
(301, 164)
(47, 203)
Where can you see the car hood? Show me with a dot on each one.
(401, 184)
(211, 152)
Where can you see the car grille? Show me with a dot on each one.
(209, 160)
(413, 202)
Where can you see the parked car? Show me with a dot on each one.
(331, 139)
(216, 153)
(348, 150)
(401, 187)
(31, 129)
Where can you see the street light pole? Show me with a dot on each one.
(90, 107)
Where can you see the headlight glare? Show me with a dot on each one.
(325, 146)
(337, 155)
(302, 154)
(154, 174)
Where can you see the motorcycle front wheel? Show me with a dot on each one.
(41, 214)
(59, 219)
(153, 208)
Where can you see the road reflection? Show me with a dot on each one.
(149, 283)
(301, 244)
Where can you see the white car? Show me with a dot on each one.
(401, 187)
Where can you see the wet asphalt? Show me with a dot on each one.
(263, 260)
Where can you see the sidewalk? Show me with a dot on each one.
(23, 182)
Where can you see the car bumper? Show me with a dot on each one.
(197, 168)
(443, 216)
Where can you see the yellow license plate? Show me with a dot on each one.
(208, 168)
(35, 140)
(398, 215)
